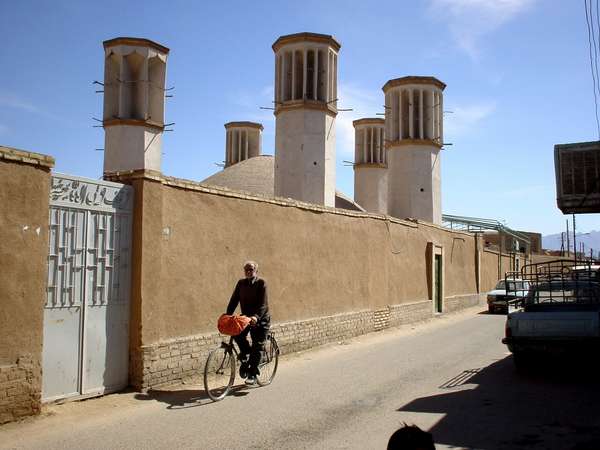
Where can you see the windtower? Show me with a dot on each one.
(414, 136)
(305, 111)
(370, 165)
(134, 104)
(243, 140)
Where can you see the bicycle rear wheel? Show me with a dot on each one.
(269, 362)
(219, 373)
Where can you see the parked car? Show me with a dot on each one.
(505, 290)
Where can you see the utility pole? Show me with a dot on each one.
(562, 244)
(568, 243)
(574, 239)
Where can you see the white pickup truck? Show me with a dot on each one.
(560, 313)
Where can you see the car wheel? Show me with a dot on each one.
(490, 309)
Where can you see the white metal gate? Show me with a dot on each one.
(86, 316)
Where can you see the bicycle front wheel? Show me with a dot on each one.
(269, 361)
(219, 373)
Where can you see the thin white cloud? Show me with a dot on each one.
(364, 103)
(248, 105)
(470, 20)
(13, 101)
(466, 117)
(268, 91)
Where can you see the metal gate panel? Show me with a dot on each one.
(107, 313)
(86, 320)
(63, 311)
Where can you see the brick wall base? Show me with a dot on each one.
(459, 302)
(175, 360)
(20, 389)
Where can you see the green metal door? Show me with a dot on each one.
(438, 283)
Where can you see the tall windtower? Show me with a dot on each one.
(414, 130)
(243, 140)
(370, 165)
(134, 104)
(305, 111)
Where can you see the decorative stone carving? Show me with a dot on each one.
(91, 195)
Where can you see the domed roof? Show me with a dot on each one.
(257, 175)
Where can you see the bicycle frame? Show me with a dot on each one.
(266, 357)
(230, 345)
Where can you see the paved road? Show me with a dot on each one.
(451, 376)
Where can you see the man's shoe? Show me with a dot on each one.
(244, 370)
(251, 380)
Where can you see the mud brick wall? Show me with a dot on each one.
(19, 389)
(305, 334)
(463, 301)
(410, 313)
(24, 204)
(331, 273)
(176, 360)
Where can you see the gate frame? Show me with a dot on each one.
(73, 196)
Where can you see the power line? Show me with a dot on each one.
(597, 85)
(587, 20)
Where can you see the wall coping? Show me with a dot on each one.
(497, 253)
(180, 183)
(25, 157)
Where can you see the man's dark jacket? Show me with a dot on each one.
(252, 298)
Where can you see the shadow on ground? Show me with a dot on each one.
(554, 405)
(177, 398)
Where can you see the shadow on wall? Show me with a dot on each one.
(554, 407)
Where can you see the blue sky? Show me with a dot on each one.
(517, 74)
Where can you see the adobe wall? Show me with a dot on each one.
(495, 265)
(331, 273)
(546, 258)
(24, 196)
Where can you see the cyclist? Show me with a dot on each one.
(251, 294)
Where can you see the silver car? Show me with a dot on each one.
(505, 290)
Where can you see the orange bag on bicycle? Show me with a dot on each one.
(232, 325)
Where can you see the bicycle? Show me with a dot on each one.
(220, 367)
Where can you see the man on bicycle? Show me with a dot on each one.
(251, 294)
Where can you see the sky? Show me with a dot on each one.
(517, 73)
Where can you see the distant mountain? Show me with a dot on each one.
(590, 240)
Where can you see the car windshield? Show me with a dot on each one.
(510, 285)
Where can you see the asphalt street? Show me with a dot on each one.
(450, 376)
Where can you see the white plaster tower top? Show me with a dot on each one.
(306, 71)
(243, 140)
(414, 136)
(134, 103)
(370, 165)
(369, 142)
(305, 111)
